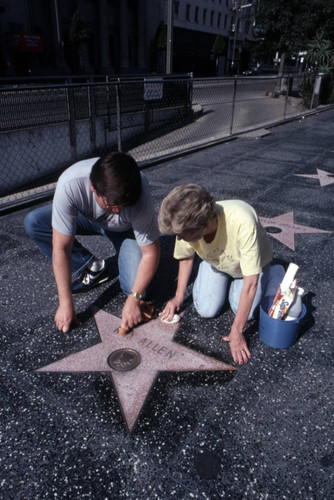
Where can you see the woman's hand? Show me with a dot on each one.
(172, 305)
(238, 346)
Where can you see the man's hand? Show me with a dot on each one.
(131, 314)
(65, 317)
(238, 346)
(62, 266)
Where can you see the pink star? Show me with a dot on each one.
(284, 229)
(152, 345)
(325, 178)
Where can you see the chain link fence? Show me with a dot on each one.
(45, 128)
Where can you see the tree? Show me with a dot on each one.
(78, 37)
(218, 49)
(78, 30)
(159, 45)
(288, 25)
(320, 54)
(160, 38)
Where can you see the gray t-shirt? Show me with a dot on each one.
(73, 195)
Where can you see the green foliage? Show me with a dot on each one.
(320, 53)
(306, 91)
(218, 47)
(78, 29)
(160, 38)
(326, 95)
(327, 90)
(290, 24)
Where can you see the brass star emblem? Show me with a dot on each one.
(135, 361)
(284, 229)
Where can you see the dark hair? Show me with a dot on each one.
(117, 177)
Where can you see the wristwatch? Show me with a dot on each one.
(136, 295)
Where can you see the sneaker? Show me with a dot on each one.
(88, 279)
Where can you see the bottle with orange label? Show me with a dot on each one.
(285, 294)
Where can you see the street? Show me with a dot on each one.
(218, 116)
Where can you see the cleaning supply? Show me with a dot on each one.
(296, 307)
(285, 293)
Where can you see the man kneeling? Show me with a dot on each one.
(105, 196)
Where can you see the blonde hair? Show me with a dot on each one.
(186, 207)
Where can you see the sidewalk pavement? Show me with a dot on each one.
(264, 431)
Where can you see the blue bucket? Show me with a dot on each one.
(276, 332)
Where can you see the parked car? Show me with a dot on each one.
(252, 71)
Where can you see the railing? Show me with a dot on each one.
(45, 128)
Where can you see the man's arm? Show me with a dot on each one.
(62, 268)
(131, 314)
(185, 268)
(236, 338)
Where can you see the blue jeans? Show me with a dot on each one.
(210, 289)
(38, 226)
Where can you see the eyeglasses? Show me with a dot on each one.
(106, 205)
(112, 208)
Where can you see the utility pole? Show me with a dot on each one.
(169, 49)
(237, 10)
(59, 45)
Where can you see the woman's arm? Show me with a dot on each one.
(238, 346)
(185, 268)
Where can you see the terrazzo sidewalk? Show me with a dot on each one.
(264, 431)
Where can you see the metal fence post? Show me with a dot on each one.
(108, 103)
(233, 103)
(71, 112)
(92, 114)
(191, 87)
(119, 120)
(286, 96)
(316, 90)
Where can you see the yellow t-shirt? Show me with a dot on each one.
(240, 247)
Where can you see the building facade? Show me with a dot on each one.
(196, 26)
(50, 37)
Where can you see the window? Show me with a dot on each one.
(176, 9)
(219, 19)
(204, 16)
(196, 14)
(212, 17)
(188, 12)
(225, 21)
